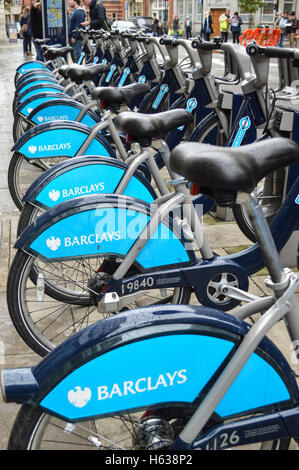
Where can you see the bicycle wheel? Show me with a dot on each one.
(48, 302)
(36, 430)
(209, 131)
(20, 127)
(29, 214)
(22, 173)
(270, 194)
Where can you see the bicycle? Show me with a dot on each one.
(190, 377)
(158, 257)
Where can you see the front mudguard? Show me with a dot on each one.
(169, 356)
(28, 105)
(85, 176)
(61, 139)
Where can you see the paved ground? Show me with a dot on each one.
(224, 238)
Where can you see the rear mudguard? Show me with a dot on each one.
(38, 88)
(61, 139)
(29, 104)
(23, 86)
(62, 110)
(34, 74)
(81, 176)
(153, 357)
(30, 66)
(92, 226)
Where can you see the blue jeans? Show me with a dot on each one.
(77, 46)
(39, 54)
(176, 33)
(282, 35)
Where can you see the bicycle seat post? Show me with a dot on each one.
(266, 243)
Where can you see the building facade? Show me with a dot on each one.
(166, 10)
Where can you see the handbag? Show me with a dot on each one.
(180, 32)
(24, 28)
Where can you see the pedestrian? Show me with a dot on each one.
(281, 24)
(236, 23)
(207, 29)
(224, 21)
(291, 28)
(75, 19)
(97, 14)
(176, 26)
(26, 31)
(188, 27)
(155, 26)
(36, 28)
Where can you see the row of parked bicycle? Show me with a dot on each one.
(107, 250)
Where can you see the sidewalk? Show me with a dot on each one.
(224, 238)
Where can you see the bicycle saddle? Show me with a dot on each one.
(223, 172)
(42, 41)
(81, 73)
(152, 125)
(63, 71)
(120, 95)
(54, 52)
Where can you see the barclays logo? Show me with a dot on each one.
(53, 243)
(54, 195)
(32, 149)
(79, 397)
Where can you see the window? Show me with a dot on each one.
(268, 12)
(288, 6)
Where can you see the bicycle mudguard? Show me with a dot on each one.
(92, 226)
(31, 65)
(84, 176)
(62, 110)
(63, 139)
(22, 87)
(153, 357)
(39, 73)
(39, 88)
(29, 104)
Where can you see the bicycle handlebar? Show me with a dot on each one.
(254, 49)
(198, 43)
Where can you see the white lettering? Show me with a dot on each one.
(143, 384)
(92, 239)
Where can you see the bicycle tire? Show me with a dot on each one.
(20, 127)
(32, 431)
(22, 173)
(66, 306)
(207, 132)
(270, 203)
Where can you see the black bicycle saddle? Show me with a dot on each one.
(54, 52)
(42, 41)
(81, 73)
(152, 125)
(222, 172)
(120, 95)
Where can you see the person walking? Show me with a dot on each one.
(176, 26)
(188, 27)
(224, 21)
(26, 31)
(75, 19)
(36, 28)
(281, 24)
(207, 29)
(291, 28)
(236, 23)
(155, 26)
(97, 14)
